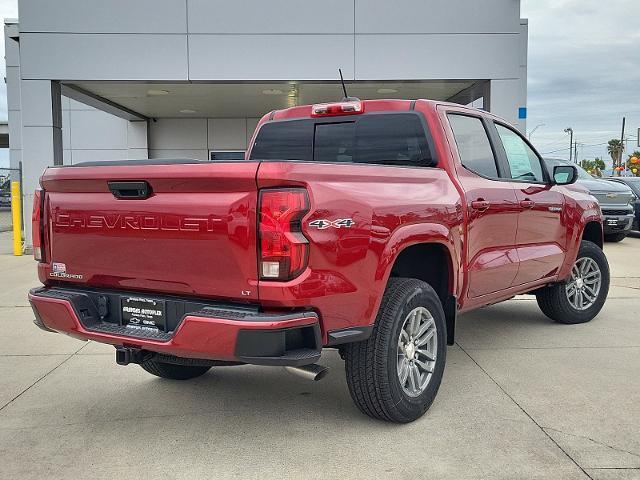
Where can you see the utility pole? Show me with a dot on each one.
(570, 131)
(575, 155)
(621, 144)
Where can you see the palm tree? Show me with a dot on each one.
(614, 149)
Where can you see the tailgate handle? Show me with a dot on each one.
(130, 190)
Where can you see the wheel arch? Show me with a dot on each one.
(428, 254)
(590, 228)
(427, 261)
(593, 232)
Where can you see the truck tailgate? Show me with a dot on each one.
(195, 232)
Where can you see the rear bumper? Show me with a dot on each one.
(211, 333)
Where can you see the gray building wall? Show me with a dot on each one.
(89, 134)
(252, 40)
(195, 137)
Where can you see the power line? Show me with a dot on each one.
(581, 144)
(559, 150)
(547, 145)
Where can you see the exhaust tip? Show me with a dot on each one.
(313, 372)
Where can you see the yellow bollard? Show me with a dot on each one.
(16, 213)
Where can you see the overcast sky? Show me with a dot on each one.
(584, 71)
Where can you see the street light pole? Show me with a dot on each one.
(534, 129)
(570, 131)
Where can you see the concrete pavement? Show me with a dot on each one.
(522, 397)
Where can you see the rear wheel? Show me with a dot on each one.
(172, 370)
(582, 296)
(615, 237)
(395, 374)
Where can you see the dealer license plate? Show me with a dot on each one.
(143, 312)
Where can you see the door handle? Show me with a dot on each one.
(526, 203)
(480, 204)
(130, 190)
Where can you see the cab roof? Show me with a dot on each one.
(368, 106)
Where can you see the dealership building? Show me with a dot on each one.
(130, 79)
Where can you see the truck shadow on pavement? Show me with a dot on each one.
(270, 394)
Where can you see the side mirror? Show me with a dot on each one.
(564, 174)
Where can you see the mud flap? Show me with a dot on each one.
(450, 307)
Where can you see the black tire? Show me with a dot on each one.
(371, 365)
(553, 300)
(172, 370)
(615, 237)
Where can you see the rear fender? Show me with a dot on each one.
(410, 235)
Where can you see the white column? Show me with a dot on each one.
(137, 140)
(41, 137)
(509, 95)
(12, 58)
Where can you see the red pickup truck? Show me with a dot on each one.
(365, 226)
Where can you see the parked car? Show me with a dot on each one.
(365, 226)
(616, 201)
(634, 184)
(5, 194)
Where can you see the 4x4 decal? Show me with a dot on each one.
(321, 224)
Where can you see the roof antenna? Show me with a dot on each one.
(346, 97)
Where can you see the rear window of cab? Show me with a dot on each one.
(398, 139)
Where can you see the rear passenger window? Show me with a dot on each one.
(393, 139)
(286, 140)
(473, 144)
(384, 139)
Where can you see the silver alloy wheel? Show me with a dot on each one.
(584, 285)
(417, 351)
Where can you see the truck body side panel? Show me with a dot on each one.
(345, 280)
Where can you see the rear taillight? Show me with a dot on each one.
(37, 226)
(284, 250)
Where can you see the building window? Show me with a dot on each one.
(226, 155)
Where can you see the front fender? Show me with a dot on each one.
(574, 237)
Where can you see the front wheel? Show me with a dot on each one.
(582, 296)
(395, 374)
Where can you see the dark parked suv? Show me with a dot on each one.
(634, 184)
(5, 194)
(616, 201)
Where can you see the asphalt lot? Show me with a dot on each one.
(522, 397)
